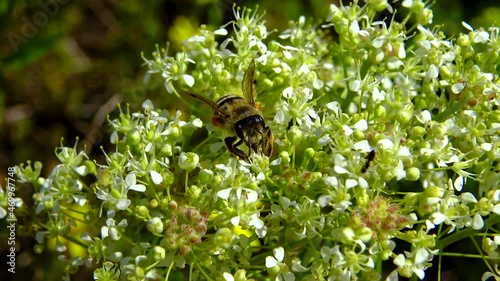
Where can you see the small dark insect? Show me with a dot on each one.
(240, 116)
(369, 158)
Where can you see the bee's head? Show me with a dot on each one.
(251, 130)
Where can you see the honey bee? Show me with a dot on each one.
(242, 118)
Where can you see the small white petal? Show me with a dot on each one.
(438, 218)
(324, 140)
(288, 92)
(421, 256)
(114, 137)
(350, 183)
(354, 27)
(400, 260)
(477, 222)
(235, 220)
(481, 37)
(252, 196)
(361, 125)
(487, 146)
(362, 146)
(333, 106)
(340, 170)
(355, 85)
(220, 31)
(197, 123)
(468, 197)
(271, 262)
(393, 276)
(156, 177)
(323, 200)
(347, 130)
(467, 26)
(385, 144)
(138, 187)
(419, 272)
(81, 170)
(297, 267)
(459, 183)
(228, 276)
(378, 42)
(449, 56)
(188, 79)
(279, 253)
(457, 88)
(130, 179)
(404, 152)
(394, 63)
(224, 194)
(424, 117)
(332, 181)
(496, 209)
(275, 162)
(432, 72)
(280, 117)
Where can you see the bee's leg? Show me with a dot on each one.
(267, 144)
(233, 147)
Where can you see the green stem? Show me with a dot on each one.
(168, 271)
(74, 240)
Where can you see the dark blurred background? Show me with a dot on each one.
(65, 64)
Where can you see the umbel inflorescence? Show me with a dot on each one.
(386, 150)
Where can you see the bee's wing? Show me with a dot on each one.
(247, 84)
(215, 106)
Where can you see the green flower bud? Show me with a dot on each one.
(224, 237)
(294, 135)
(172, 205)
(425, 17)
(155, 225)
(380, 111)
(404, 116)
(285, 158)
(166, 150)
(158, 253)
(154, 203)
(133, 137)
(309, 154)
(39, 182)
(139, 272)
(365, 234)
(240, 275)
(358, 135)
(217, 180)
(433, 191)
(195, 190)
(38, 248)
(418, 131)
(439, 130)
(347, 234)
(412, 174)
(150, 134)
(378, 5)
(115, 193)
(445, 72)
(267, 83)
(205, 176)
(175, 133)
(142, 211)
(188, 161)
(273, 46)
